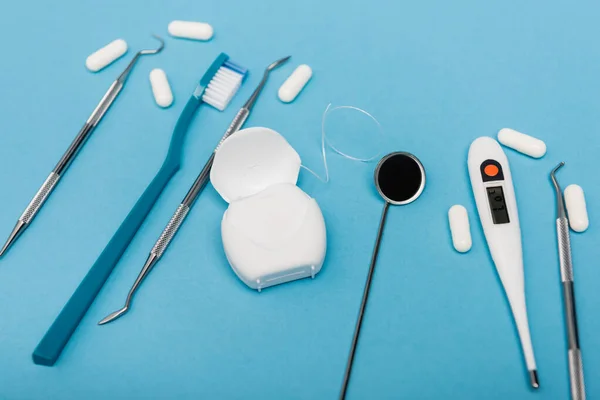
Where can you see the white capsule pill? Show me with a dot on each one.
(576, 208)
(295, 83)
(460, 228)
(160, 88)
(522, 143)
(106, 55)
(191, 30)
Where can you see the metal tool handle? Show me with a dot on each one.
(203, 177)
(170, 230)
(235, 125)
(40, 198)
(566, 272)
(564, 250)
(576, 375)
(182, 211)
(575, 361)
(106, 102)
(85, 132)
(155, 254)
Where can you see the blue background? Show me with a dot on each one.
(436, 74)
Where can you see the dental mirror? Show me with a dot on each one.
(400, 180)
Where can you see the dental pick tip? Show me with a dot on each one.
(5, 247)
(111, 317)
(559, 166)
(278, 63)
(14, 235)
(155, 50)
(150, 262)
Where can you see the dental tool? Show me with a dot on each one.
(566, 274)
(216, 88)
(59, 170)
(184, 208)
(492, 185)
(400, 180)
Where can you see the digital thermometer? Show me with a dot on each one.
(494, 194)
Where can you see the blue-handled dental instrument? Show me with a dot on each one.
(216, 88)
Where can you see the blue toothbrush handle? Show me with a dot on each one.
(55, 339)
(49, 349)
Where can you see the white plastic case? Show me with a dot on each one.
(272, 231)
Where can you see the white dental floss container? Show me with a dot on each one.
(272, 231)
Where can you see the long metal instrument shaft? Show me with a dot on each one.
(566, 274)
(363, 304)
(63, 164)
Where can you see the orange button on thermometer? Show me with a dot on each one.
(491, 170)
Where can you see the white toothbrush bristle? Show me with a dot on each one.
(222, 88)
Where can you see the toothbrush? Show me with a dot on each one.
(188, 202)
(216, 88)
(61, 168)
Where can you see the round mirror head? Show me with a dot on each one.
(400, 178)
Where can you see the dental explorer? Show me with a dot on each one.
(566, 274)
(50, 183)
(182, 211)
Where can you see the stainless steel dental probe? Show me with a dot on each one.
(182, 211)
(50, 183)
(566, 274)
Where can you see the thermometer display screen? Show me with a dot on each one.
(497, 205)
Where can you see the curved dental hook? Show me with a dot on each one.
(111, 317)
(125, 74)
(560, 204)
(154, 51)
(277, 63)
(250, 103)
(150, 262)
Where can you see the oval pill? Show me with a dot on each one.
(522, 143)
(106, 55)
(460, 228)
(191, 30)
(161, 88)
(295, 83)
(576, 208)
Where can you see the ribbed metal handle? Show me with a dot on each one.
(235, 125)
(564, 250)
(170, 230)
(576, 373)
(39, 198)
(107, 100)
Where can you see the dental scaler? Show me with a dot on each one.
(566, 275)
(95, 62)
(494, 194)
